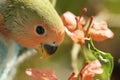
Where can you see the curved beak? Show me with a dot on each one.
(50, 49)
(46, 50)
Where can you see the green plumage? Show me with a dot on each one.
(21, 12)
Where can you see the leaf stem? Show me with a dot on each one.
(84, 53)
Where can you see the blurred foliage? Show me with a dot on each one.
(60, 61)
(112, 5)
(94, 6)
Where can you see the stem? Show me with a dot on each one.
(84, 53)
(88, 28)
(74, 57)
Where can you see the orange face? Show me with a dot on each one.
(37, 33)
(32, 24)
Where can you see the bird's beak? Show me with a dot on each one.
(46, 50)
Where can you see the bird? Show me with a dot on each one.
(27, 27)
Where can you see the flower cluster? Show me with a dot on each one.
(75, 30)
(89, 71)
(78, 31)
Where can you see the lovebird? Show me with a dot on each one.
(27, 27)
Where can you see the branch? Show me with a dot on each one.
(74, 56)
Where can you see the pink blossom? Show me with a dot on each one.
(37, 74)
(73, 29)
(69, 21)
(100, 31)
(91, 69)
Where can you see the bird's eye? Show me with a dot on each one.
(40, 30)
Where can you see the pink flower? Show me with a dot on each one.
(100, 31)
(74, 28)
(69, 21)
(90, 70)
(37, 74)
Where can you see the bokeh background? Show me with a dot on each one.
(60, 62)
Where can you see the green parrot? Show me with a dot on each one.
(31, 25)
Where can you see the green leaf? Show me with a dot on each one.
(105, 59)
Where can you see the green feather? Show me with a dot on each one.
(21, 12)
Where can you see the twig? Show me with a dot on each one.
(74, 56)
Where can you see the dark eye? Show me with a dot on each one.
(40, 30)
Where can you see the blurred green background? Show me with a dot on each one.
(61, 60)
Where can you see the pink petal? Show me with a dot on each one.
(100, 26)
(100, 32)
(77, 36)
(90, 70)
(69, 21)
(82, 20)
(101, 35)
(37, 74)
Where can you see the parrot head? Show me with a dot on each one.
(33, 24)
